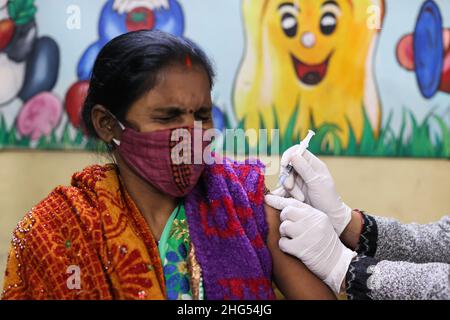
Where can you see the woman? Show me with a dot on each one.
(381, 259)
(147, 227)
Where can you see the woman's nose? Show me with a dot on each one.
(308, 39)
(189, 119)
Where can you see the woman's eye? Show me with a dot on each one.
(166, 119)
(203, 117)
(289, 25)
(328, 23)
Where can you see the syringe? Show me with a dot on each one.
(304, 144)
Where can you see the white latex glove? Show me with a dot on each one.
(312, 183)
(308, 234)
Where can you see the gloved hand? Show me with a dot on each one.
(311, 182)
(308, 234)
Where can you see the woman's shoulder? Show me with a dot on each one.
(248, 172)
(254, 164)
(80, 194)
(45, 228)
(50, 217)
(64, 209)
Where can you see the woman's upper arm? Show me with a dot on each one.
(291, 276)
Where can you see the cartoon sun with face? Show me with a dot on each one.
(313, 56)
(316, 47)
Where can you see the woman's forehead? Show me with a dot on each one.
(179, 87)
(174, 73)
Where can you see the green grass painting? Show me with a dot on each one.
(10, 139)
(419, 142)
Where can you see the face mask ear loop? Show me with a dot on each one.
(117, 142)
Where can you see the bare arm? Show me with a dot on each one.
(291, 276)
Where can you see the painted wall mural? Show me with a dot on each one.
(116, 18)
(29, 65)
(371, 77)
(427, 51)
(301, 65)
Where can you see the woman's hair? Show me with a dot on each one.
(128, 66)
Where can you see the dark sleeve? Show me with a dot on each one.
(369, 236)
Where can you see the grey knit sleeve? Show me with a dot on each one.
(401, 261)
(409, 242)
(369, 278)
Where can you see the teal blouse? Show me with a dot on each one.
(173, 250)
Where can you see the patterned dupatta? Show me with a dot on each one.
(89, 240)
(86, 241)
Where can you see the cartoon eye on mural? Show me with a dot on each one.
(427, 51)
(29, 67)
(118, 17)
(301, 67)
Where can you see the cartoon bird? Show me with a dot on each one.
(118, 17)
(314, 55)
(29, 64)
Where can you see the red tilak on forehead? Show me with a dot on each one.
(188, 61)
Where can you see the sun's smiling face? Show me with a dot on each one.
(309, 31)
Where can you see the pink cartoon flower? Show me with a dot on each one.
(39, 116)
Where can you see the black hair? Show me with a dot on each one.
(128, 66)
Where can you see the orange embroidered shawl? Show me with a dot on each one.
(91, 230)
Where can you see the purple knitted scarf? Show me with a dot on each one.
(227, 226)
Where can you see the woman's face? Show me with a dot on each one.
(181, 96)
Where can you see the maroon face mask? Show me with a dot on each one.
(171, 160)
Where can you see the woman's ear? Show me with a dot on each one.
(104, 123)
